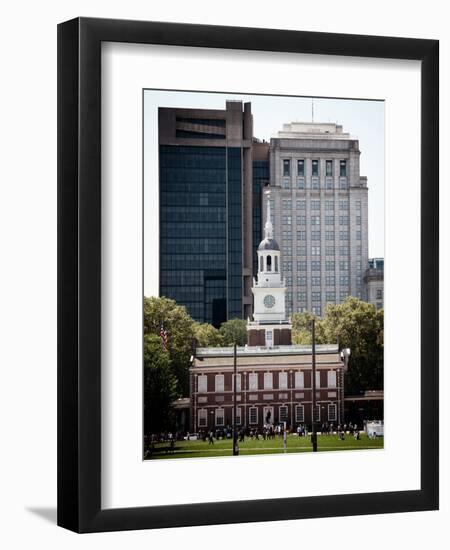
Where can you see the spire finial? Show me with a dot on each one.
(268, 227)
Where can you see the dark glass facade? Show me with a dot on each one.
(201, 230)
(261, 176)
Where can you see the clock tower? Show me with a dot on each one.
(270, 326)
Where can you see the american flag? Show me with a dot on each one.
(163, 334)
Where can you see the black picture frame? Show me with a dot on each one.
(79, 274)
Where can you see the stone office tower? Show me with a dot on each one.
(205, 191)
(319, 202)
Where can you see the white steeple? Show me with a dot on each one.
(269, 289)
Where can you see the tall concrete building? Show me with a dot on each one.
(319, 203)
(206, 228)
(374, 280)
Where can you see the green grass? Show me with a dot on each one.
(197, 449)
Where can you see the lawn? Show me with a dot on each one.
(295, 444)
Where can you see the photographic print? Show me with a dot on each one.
(263, 274)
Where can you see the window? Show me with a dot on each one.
(315, 265)
(285, 183)
(301, 296)
(315, 413)
(317, 310)
(343, 220)
(287, 266)
(329, 220)
(238, 382)
(344, 280)
(301, 265)
(358, 235)
(301, 204)
(315, 205)
(315, 220)
(269, 263)
(315, 251)
(283, 413)
(379, 294)
(220, 382)
(358, 205)
(343, 183)
(343, 295)
(301, 235)
(253, 381)
(343, 205)
(343, 265)
(329, 205)
(343, 250)
(300, 167)
(315, 168)
(315, 235)
(299, 380)
(315, 280)
(301, 183)
(343, 168)
(238, 416)
(286, 167)
(343, 235)
(330, 280)
(329, 183)
(299, 413)
(301, 250)
(358, 220)
(202, 417)
(253, 415)
(330, 296)
(286, 220)
(329, 265)
(286, 204)
(268, 381)
(317, 379)
(331, 378)
(283, 380)
(329, 168)
(329, 251)
(301, 220)
(202, 383)
(329, 235)
(220, 417)
(314, 183)
(315, 296)
(332, 412)
(301, 281)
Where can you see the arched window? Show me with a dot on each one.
(276, 263)
(261, 263)
(269, 263)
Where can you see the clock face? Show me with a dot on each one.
(269, 300)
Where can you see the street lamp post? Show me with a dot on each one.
(235, 435)
(313, 386)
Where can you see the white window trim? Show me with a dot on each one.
(268, 381)
(318, 407)
(317, 379)
(253, 381)
(299, 380)
(283, 376)
(279, 413)
(202, 381)
(217, 384)
(298, 408)
(335, 412)
(250, 415)
(223, 416)
(238, 416)
(332, 379)
(202, 414)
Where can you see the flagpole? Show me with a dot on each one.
(313, 387)
(235, 439)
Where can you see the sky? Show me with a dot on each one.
(362, 119)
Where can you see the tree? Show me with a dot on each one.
(160, 386)
(180, 334)
(207, 336)
(359, 326)
(234, 331)
(301, 328)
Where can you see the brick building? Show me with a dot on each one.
(274, 377)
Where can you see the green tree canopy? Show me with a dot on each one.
(160, 386)
(359, 326)
(207, 336)
(301, 329)
(234, 330)
(180, 334)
